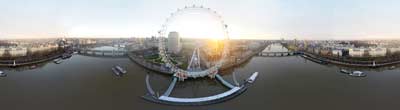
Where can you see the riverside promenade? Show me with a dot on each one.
(13, 63)
(349, 63)
(149, 65)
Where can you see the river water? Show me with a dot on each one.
(284, 83)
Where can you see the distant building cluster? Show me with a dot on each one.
(350, 48)
(87, 41)
(23, 48)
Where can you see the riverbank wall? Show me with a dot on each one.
(371, 64)
(22, 63)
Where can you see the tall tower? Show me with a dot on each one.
(174, 43)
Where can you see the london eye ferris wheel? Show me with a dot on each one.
(166, 28)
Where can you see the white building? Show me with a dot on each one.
(356, 52)
(17, 52)
(337, 52)
(394, 50)
(87, 41)
(377, 52)
(174, 43)
(43, 48)
(2, 50)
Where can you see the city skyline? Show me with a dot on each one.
(255, 19)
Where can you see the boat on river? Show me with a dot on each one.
(2, 74)
(357, 74)
(118, 70)
(345, 71)
(392, 67)
(252, 77)
(57, 61)
(32, 67)
(66, 56)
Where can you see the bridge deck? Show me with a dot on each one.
(235, 91)
(149, 89)
(225, 83)
(171, 87)
(277, 52)
(201, 99)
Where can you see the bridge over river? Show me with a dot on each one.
(277, 54)
(276, 49)
(103, 53)
(166, 99)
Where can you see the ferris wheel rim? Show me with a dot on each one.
(162, 34)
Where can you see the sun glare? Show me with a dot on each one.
(197, 25)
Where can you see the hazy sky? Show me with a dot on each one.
(264, 19)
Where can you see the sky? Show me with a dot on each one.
(246, 19)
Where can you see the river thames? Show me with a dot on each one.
(284, 83)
